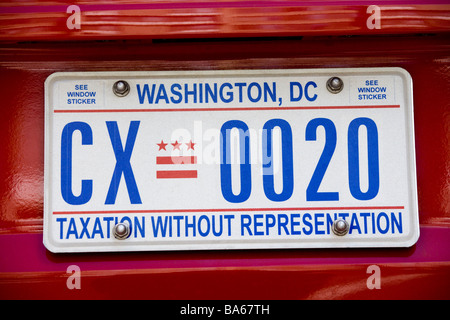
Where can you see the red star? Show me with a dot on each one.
(162, 145)
(176, 145)
(191, 145)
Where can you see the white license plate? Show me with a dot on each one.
(239, 159)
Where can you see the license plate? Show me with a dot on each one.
(241, 159)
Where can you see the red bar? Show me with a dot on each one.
(230, 210)
(45, 20)
(175, 174)
(176, 160)
(228, 109)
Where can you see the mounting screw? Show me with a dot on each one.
(121, 88)
(335, 85)
(340, 227)
(121, 231)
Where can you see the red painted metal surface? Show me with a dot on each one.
(33, 20)
(28, 270)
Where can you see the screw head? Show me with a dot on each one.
(335, 85)
(340, 227)
(121, 231)
(121, 88)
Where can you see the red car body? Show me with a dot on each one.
(37, 39)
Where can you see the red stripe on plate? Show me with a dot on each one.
(231, 210)
(176, 174)
(227, 109)
(176, 160)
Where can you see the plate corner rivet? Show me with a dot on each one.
(340, 227)
(335, 84)
(121, 231)
(121, 88)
